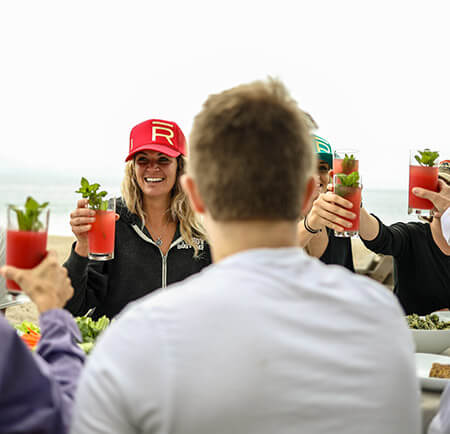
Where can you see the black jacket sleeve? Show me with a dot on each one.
(89, 281)
(391, 240)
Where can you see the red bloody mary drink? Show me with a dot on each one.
(425, 177)
(353, 195)
(101, 236)
(26, 237)
(423, 172)
(24, 249)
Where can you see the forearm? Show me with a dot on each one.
(36, 390)
(368, 226)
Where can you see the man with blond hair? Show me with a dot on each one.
(267, 339)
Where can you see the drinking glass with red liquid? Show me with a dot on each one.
(26, 237)
(423, 172)
(349, 187)
(101, 235)
(345, 161)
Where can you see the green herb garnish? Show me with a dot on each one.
(347, 182)
(89, 191)
(28, 220)
(351, 180)
(427, 157)
(349, 163)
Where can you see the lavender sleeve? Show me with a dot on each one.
(37, 390)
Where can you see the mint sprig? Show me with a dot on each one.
(89, 191)
(351, 180)
(28, 220)
(427, 157)
(349, 163)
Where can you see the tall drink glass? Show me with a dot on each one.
(348, 166)
(421, 176)
(24, 248)
(101, 235)
(353, 195)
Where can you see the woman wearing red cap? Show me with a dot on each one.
(158, 239)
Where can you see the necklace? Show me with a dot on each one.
(159, 241)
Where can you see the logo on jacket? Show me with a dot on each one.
(200, 244)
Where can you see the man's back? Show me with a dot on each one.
(266, 341)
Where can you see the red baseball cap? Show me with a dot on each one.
(157, 135)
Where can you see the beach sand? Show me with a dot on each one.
(62, 245)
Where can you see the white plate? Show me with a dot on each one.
(424, 361)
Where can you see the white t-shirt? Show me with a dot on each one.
(445, 224)
(265, 341)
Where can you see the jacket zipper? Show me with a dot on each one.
(164, 257)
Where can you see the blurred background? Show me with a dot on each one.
(75, 77)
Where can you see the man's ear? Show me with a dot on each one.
(190, 188)
(309, 194)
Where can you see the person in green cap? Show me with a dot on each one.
(316, 230)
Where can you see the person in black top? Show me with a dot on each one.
(421, 259)
(158, 239)
(316, 230)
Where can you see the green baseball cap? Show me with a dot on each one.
(323, 150)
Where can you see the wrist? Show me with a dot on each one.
(310, 228)
(82, 249)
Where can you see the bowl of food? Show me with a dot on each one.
(431, 333)
(433, 371)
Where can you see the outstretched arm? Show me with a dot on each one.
(368, 226)
(37, 390)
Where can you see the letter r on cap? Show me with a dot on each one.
(159, 127)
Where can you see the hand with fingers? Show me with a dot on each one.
(440, 200)
(332, 211)
(47, 284)
(81, 222)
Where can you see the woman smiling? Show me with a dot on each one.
(158, 238)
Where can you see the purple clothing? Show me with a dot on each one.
(37, 390)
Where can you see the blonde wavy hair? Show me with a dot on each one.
(180, 208)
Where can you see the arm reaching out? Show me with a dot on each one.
(368, 226)
(37, 390)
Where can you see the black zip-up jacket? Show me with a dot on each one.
(138, 268)
(421, 269)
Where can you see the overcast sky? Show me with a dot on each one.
(76, 76)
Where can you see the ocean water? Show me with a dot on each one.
(59, 190)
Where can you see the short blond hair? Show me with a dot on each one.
(251, 153)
